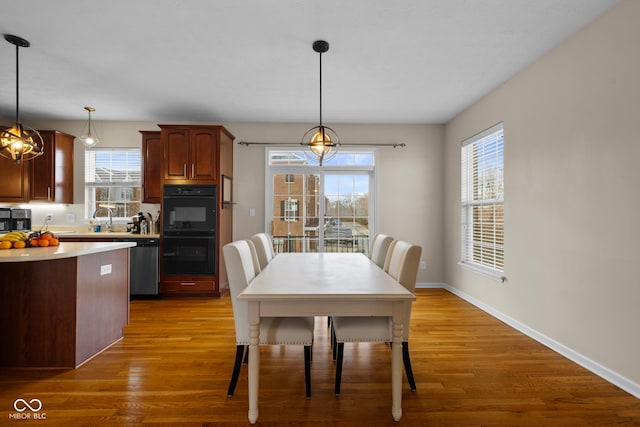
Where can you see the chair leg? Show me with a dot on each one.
(240, 349)
(307, 370)
(340, 352)
(407, 365)
(333, 343)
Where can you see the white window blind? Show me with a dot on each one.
(483, 201)
(112, 181)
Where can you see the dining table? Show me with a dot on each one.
(325, 284)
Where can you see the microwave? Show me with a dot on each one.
(5, 220)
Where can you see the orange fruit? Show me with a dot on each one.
(46, 236)
(43, 242)
(19, 244)
(33, 242)
(54, 242)
(5, 245)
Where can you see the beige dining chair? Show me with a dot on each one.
(401, 264)
(273, 331)
(264, 248)
(379, 248)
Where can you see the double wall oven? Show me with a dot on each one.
(189, 230)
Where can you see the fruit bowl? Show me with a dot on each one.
(20, 240)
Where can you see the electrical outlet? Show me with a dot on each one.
(423, 265)
(49, 217)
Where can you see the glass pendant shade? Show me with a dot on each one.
(88, 137)
(323, 143)
(18, 143)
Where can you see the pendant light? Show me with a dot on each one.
(321, 141)
(88, 138)
(19, 142)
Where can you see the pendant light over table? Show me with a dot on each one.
(321, 141)
(89, 138)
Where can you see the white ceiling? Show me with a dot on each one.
(406, 61)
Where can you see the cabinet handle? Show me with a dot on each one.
(49, 193)
(187, 284)
(193, 170)
(184, 170)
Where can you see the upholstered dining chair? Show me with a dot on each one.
(379, 248)
(273, 331)
(402, 264)
(264, 248)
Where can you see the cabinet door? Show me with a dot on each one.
(152, 154)
(176, 154)
(204, 157)
(15, 181)
(52, 172)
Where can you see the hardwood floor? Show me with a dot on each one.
(174, 364)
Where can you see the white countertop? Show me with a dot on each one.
(64, 250)
(103, 235)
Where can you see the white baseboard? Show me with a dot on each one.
(602, 371)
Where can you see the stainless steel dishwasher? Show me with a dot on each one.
(143, 265)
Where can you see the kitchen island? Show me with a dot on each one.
(60, 306)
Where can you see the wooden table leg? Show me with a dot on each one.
(254, 359)
(396, 361)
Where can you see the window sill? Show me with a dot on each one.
(496, 275)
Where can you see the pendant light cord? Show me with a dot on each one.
(321, 90)
(17, 85)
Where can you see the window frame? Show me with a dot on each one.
(480, 238)
(304, 167)
(90, 185)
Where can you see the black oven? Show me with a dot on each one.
(189, 208)
(188, 255)
(189, 230)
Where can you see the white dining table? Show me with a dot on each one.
(325, 284)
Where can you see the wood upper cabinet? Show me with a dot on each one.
(152, 155)
(190, 153)
(51, 176)
(15, 181)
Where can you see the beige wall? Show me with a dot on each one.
(571, 194)
(410, 179)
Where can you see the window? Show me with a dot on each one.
(483, 201)
(112, 181)
(320, 209)
(289, 210)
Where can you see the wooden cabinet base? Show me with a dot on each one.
(185, 287)
(60, 313)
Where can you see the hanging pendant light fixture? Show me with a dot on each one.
(89, 138)
(321, 141)
(19, 142)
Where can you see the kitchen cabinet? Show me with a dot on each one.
(191, 153)
(152, 155)
(51, 177)
(198, 154)
(15, 180)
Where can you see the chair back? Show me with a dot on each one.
(402, 264)
(379, 248)
(240, 272)
(254, 257)
(264, 248)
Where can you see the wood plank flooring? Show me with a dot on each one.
(174, 365)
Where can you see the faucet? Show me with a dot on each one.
(109, 214)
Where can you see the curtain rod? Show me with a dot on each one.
(391, 144)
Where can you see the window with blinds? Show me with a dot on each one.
(112, 182)
(483, 201)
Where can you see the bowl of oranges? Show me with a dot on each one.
(20, 240)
